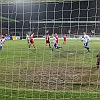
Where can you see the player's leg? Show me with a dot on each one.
(97, 64)
(53, 46)
(46, 44)
(34, 46)
(49, 45)
(30, 43)
(86, 46)
(64, 41)
(29, 46)
(57, 47)
(0, 48)
(98, 60)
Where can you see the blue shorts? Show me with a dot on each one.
(0, 47)
(54, 45)
(86, 44)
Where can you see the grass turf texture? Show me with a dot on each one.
(68, 73)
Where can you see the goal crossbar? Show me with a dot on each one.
(43, 22)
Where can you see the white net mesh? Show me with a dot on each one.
(68, 73)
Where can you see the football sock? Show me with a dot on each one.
(49, 44)
(52, 49)
(59, 47)
(88, 49)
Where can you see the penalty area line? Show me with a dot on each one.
(39, 90)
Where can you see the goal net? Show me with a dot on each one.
(68, 73)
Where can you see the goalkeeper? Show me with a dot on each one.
(98, 59)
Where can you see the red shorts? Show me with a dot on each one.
(32, 41)
(47, 41)
(64, 39)
(57, 41)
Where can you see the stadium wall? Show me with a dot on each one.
(71, 38)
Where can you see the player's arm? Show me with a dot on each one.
(88, 38)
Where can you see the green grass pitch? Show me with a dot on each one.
(68, 73)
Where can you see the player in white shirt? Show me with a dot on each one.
(86, 40)
(54, 44)
(2, 40)
(28, 38)
(0, 44)
(54, 41)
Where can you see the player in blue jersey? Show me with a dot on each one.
(86, 40)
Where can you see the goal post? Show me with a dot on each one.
(0, 21)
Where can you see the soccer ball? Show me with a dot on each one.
(82, 39)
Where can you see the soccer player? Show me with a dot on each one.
(0, 44)
(56, 35)
(48, 40)
(86, 41)
(28, 39)
(32, 41)
(2, 40)
(54, 44)
(98, 60)
(64, 38)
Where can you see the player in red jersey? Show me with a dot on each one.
(48, 40)
(56, 35)
(32, 41)
(64, 38)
